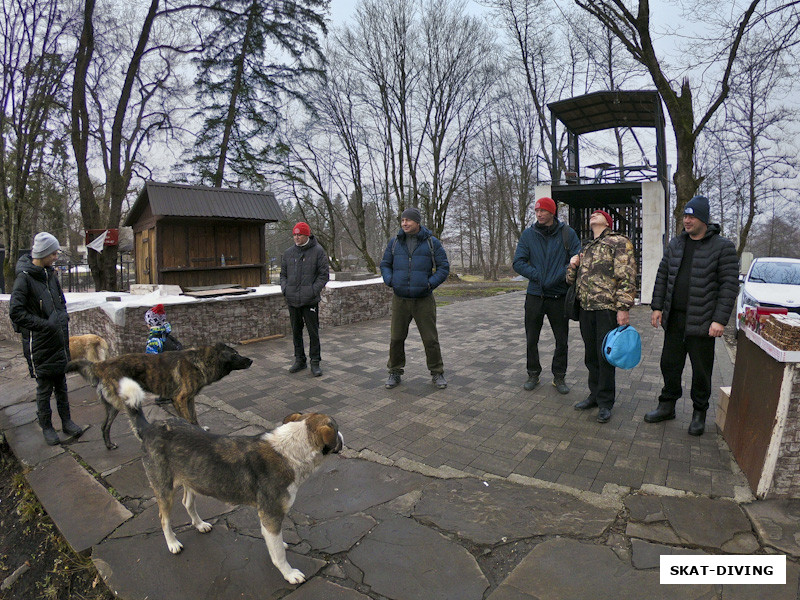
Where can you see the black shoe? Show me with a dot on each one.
(50, 436)
(532, 382)
(315, 370)
(439, 381)
(72, 429)
(664, 412)
(560, 386)
(393, 381)
(298, 365)
(698, 424)
(585, 404)
(604, 415)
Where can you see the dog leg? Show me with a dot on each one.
(277, 553)
(111, 414)
(164, 508)
(188, 502)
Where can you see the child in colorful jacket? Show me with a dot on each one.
(159, 338)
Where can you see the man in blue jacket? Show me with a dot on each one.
(543, 253)
(414, 264)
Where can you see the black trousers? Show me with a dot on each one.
(309, 316)
(673, 358)
(536, 307)
(45, 387)
(595, 324)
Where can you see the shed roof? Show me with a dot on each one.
(604, 110)
(178, 200)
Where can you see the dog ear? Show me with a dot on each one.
(328, 435)
(293, 417)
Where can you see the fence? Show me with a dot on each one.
(77, 277)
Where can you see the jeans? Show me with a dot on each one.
(308, 316)
(536, 307)
(423, 312)
(45, 387)
(673, 358)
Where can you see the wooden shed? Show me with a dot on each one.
(192, 236)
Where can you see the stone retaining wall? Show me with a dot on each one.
(230, 320)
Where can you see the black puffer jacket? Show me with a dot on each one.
(39, 312)
(304, 272)
(714, 281)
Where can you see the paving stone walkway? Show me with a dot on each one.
(480, 491)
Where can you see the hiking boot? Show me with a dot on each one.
(664, 412)
(439, 381)
(585, 404)
(604, 415)
(393, 381)
(315, 370)
(533, 381)
(50, 436)
(698, 424)
(560, 385)
(72, 429)
(298, 365)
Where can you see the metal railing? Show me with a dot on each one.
(77, 277)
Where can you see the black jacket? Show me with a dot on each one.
(304, 272)
(38, 311)
(713, 284)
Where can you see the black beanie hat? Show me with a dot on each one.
(413, 214)
(698, 208)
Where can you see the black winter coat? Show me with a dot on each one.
(38, 311)
(713, 284)
(304, 272)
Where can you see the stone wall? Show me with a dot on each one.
(786, 480)
(230, 320)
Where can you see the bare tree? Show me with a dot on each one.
(113, 120)
(634, 30)
(32, 92)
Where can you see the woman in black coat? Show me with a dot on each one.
(38, 311)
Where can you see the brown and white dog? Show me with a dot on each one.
(263, 471)
(89, 347)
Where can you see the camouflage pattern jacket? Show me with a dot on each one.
(607, 273)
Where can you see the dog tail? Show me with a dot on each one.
(85, 368)
(133, 394)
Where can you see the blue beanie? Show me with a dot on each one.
(698, 208)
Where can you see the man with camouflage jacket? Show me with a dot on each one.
(605, 272)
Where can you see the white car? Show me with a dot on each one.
(771, 282)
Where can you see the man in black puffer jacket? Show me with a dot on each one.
(304, 272)
(693, 297)
(38, 311)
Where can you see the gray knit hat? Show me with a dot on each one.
(44, 244)
(412, 213)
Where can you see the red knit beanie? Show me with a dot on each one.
(302, 229)
(547, 204)
(606, 215)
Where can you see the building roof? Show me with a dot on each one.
(604, 110)
(178, 200)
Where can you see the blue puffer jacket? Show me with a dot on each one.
(542, 259)
(412, 276)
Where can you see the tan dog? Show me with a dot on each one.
(90, 347)
(262, 471)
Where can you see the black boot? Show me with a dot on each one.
(315, 370)
(698, 424)
(664, 412)
(298, 365)
(50, 435)
(68, 426)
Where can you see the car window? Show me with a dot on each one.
(775, 272)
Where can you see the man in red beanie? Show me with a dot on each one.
(605, 276)
(304, 272)
(542, 255)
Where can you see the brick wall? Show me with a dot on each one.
(229, 320)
